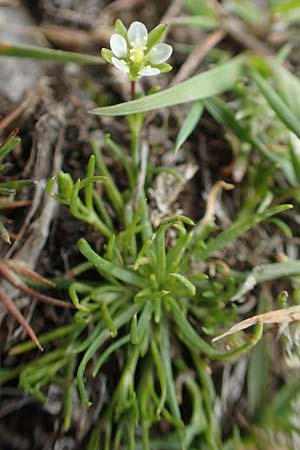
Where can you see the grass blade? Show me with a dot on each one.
(237, 229)
(50, 54)
(206, 84)
(280, 107)
(189, 124)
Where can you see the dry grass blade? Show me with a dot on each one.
(12, 277)
(9, 271)
(8, 120)
(21, 268)
(8, 204)
(285, 315)
(212, 198)
(8, 303)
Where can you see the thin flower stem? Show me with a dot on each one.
(135, 125)
(132, 90)
(135, 148)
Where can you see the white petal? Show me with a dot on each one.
(149, 71)
(159, 53)
(118, 45)
(119, 64)
(137, 34)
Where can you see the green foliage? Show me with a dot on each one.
(149, 295)
(189, 124)
(145, 297)
(31, 51)
(207, 84)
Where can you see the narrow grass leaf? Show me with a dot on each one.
(99, 339)
(287, 86)
(273, 271)
(167, 365)
(17, 184)
(161, 375)
(225, 116)
(143, 322)
(30, 51)
(68, 398)
(280, 107)
(110, 186)
(280, 406)
(204, 22)
(8, 146)
(189, 124)
(204, 85)
(294, 145)
(257, 378)
(237, 229)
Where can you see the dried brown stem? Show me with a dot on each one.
(16, 282)
(8, 204)
(18, 316)
(4, 123)
(211, 201)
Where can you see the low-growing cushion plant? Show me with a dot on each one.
(146, 306)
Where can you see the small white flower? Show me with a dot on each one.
(137, 52)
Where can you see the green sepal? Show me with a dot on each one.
(120, 28)
(163, 67)
(155, 35)
(107, 55)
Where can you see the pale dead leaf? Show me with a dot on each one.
(285, 315)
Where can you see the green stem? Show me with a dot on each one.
(47, 337)
(123, 318)
(135, 131)
(194, 341)
(106, 268)
(68, 393)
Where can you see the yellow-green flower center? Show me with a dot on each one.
(136, 55)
